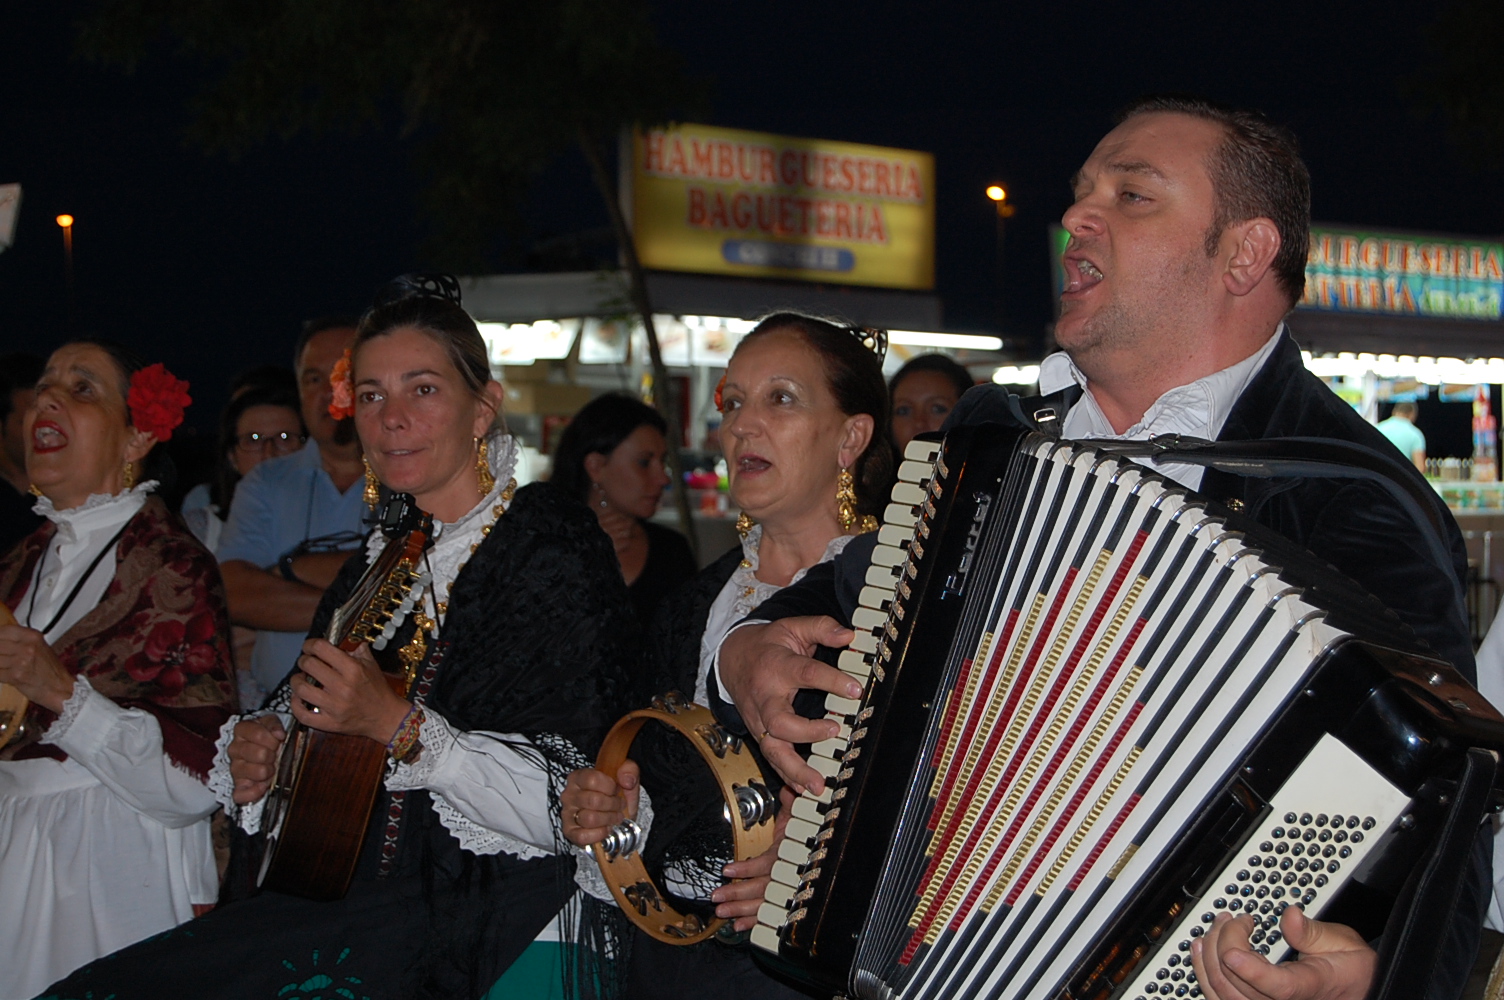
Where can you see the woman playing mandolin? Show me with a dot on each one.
(119, 643)
(515, 649)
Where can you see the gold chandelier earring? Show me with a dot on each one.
(744, 524)
(128, 475)
(846, 509)
(483, 467)
(372, 493)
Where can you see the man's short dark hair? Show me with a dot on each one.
(314, 327)
(17, 371)
(1406, 410)
(1256, 172)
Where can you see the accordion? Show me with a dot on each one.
(1098, 711)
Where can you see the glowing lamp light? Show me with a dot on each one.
(996, 192)
(65, 221)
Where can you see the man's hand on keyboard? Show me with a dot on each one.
(763, 666)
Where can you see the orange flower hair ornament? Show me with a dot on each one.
(157, 399)
(719, 388)
(343, 404)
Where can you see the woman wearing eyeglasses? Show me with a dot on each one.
(261, 422)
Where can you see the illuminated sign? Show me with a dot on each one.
(1368, 272)
(1393, 274)
(724, 201)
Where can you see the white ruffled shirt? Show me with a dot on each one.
(111, 845)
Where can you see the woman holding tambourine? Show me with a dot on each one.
(515, 644)
(804, 432)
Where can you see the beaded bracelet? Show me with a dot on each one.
(405, 740)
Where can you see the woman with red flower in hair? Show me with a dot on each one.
(120, 646)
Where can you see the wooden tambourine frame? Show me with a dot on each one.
(749, 804)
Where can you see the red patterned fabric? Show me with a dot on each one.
(158, 640)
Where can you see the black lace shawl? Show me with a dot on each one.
(679, 625)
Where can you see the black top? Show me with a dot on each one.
(669, 564)
(16, 517)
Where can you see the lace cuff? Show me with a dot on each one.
(220, 782)
(82, 692)
(247, 816)
(478, 839)
(587, 871)
(438, 741)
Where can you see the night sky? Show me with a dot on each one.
(210, 265)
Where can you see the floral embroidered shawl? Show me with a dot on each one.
(158, 640)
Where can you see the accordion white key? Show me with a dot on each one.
(1097, 713)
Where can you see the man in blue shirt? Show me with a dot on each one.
(272, 580)
(1401, 431)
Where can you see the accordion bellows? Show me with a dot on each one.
(1099, 710)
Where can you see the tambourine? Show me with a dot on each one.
(749, 807)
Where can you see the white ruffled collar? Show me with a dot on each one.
(100, 509)
(502, 457)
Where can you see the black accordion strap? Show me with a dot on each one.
(1311, 458)
(1423, 915)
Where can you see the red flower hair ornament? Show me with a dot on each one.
(342, 406)
(157, 399)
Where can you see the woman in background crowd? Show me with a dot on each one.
(805, 415)
(259, 422)
(924, 392)
(611, 457)
(121, 649)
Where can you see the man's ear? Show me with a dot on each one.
(1256, 245)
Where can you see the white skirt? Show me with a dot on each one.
(82, 874)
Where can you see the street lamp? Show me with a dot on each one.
(999, 196)
(66, 222)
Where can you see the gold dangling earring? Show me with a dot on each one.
(483, 467)
(34, 491)
(744, 524)
(128, 474)
(845, 499)
(372, 493)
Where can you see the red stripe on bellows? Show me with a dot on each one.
(1084, 641)
(948, 723)
(1020, 685)
(1096, 852)
(990, 805)
(1066, 748)
(1075, 802)
(969, 732)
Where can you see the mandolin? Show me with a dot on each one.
(325, 784)
(13, 704)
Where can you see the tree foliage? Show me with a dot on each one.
(487, 92)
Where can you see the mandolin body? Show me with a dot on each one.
(325, 784)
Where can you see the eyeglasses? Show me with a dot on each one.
(281, 443)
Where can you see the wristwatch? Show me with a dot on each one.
(284, 565)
